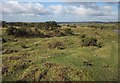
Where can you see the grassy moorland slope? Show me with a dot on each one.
(32, 59)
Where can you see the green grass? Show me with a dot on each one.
(37, 62)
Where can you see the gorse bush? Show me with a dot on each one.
(91, 41)
(59, 32)
(11, 30)
(68, 31)
(47, 29)
(56, 45)
(72, 26)
(49, 25)
(17, 32)
(22, 32)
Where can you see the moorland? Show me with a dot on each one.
(51, 51)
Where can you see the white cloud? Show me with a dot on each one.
(15, 7)
(28, 14)
(107, 7)
(78, 10)
(107, 10)
(73, 10)
(83, 9)
(57, 9)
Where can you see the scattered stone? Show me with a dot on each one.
(29, 61)
(23, 46)
(15, 40)
(106, 66)
(88, 63)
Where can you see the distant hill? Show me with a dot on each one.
(64, 22)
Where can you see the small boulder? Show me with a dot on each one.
(3, 40)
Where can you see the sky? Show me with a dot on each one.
(60, 10)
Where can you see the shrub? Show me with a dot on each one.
(16, 32)
(51, 34)
(11, 30)
(22, 32)
(91, 41)
(72, 26)
(83, 36)
(68, 31)
(59, 33)
(62, 34)
(68, 25)
(56, 45)
(51, 25)
(99, 44)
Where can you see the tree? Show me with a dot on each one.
(4, 24)
(51, 25)
(68, 31)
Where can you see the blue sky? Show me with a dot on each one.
(65, 0)
(37, 11)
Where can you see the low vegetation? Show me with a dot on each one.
(56, 45)
(52, 52)
(47, 29)
(90, 41)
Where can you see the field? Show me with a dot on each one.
(62, 58)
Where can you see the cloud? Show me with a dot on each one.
(14, 7)
(57, 9)
(91, 10)
(36, 11)
(82, 10)
(107, 7)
